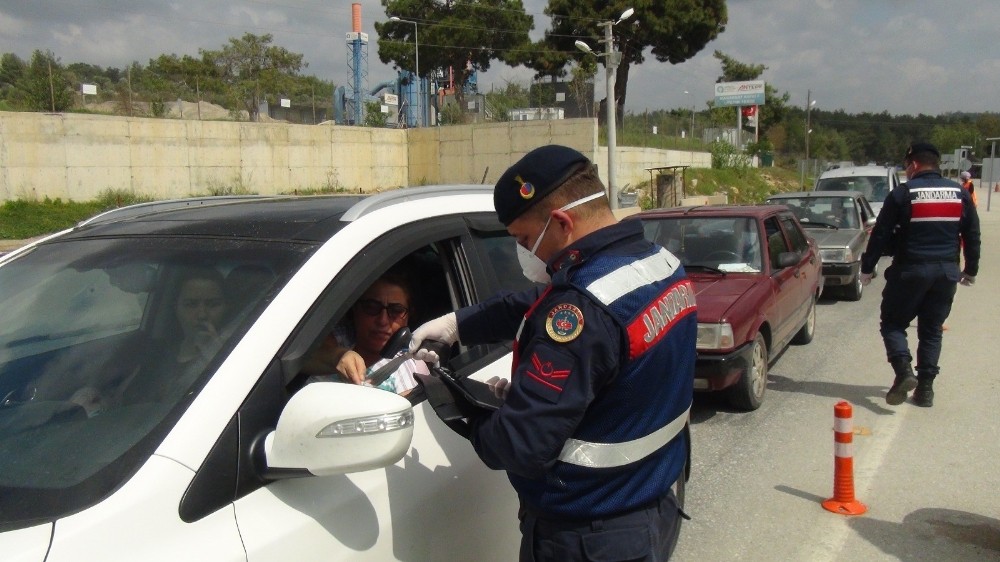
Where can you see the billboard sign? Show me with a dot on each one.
(728, 94)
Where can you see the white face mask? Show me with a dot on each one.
(533, 268)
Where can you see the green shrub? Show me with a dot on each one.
(114, 198)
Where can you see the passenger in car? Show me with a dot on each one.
(382, 310)
(170, 364)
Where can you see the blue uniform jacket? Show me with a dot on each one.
(924, 220)
(605, 354)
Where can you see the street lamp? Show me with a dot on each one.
(612, 59)
(416, 72)
(691, 133)
(809, 105)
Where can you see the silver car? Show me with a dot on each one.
(840, 222)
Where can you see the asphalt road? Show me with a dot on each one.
(929, 477)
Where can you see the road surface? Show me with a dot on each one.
(929, 477)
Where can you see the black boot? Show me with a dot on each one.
(904, 383)
(924, 395)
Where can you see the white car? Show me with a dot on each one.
(874, 182)
(234, 457)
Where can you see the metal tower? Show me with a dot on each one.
(357, 64)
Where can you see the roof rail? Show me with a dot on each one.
(388, 198)
(139, 209)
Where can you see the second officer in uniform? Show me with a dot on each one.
(924, 224)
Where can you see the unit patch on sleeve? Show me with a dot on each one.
(564, 322)
(546, 375)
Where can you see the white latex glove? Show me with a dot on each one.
(499, 386)
(967, 280)
(866, 278)
(443, 329)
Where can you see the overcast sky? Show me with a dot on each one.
(900, 56)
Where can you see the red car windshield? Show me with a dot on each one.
(729, 244)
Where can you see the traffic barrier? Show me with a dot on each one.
(843, 500)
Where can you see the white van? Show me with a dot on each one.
(874, 182)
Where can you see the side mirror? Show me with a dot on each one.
(787, 259)
(334, 428)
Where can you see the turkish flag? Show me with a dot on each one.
(749, 110)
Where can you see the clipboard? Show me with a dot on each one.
(473, 391)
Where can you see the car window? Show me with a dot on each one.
(796, 237)
(830, 211)
(731, 244)
(874, 188)
(444, 276)
(864, 209)
(847, 213)
(389, 295)
(776, 243)
(103, 343)
(500, 252)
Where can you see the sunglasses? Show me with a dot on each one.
(372, 307)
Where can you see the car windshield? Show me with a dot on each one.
(874, 188)
(728, 244)
(826, 211)
(103, 344)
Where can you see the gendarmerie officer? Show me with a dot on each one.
(593, 430)
(923, 224)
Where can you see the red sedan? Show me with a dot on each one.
(757, 277)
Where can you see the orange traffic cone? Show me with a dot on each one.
(843, 501)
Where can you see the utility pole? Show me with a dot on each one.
(52, 89)
(611, 61)
(809, 103)
(610, 66)
(992, 174)
(808, 120)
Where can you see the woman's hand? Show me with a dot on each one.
(351, 367)
(207, 341)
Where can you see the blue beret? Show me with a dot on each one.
(534, 176)
(918, 147)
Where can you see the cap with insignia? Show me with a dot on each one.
(918, 147)
(534, 176)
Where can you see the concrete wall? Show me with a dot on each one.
(632, 163)
(75, 157)
(470, 153)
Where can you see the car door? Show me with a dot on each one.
(805, 273)
(867, 224)
(783, 280)
(439, 502)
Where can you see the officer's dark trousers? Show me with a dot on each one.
(648, 534)
(923, 291)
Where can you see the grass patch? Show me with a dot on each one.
(26, 219)
(22, 219)
(743, 186)
(746, 186)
